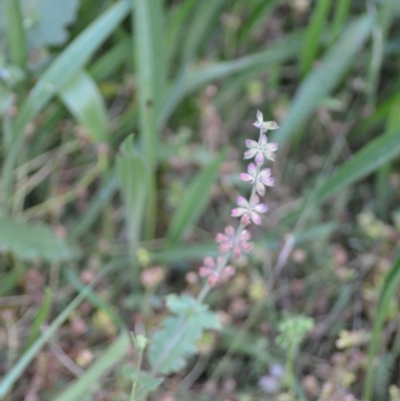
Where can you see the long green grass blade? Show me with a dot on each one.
(206, 14)
(342, 8)
(83, 99)
(377, 117)
(15, 32)
(383, 174)
(151, 73)
(188, 83)
(90, 380)
(373, 155)
(108, 63)
(177, 24)
(379, 36)
(313, 35)
(194, 201)
(131, 173)
(259, 12)
(39, 319)
(390, 286)
(321, 82)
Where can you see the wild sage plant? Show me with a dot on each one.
(175, 341)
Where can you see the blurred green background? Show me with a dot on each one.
(123, 127)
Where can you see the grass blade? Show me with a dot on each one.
(39, 319)
(321, 82)
(17, 370)
(257, 16)
(151, 73)
(194, 201)
(131, 172)
(107, 64)
(373, 155)
(15, 32)
(342, 8)
(85, 384)
(83, 99)
(379, 37)
(206, 13)
(188, 83)
(313, 35)
(390, 286)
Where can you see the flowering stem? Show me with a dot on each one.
(251, 205)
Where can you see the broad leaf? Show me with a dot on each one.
(48, 21)
(28, 241)
(176, 340)
(146, 383)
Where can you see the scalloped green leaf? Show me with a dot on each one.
(28, 242)
(47, 21)
(176, 340)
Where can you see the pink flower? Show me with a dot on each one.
(260, 150)
(227, 241)
(264, 125)
(263, 178)
(249, 211)
(209, 271)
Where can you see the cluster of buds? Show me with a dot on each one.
(234, 242)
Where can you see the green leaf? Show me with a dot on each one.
(313, 35)
(383, 21)
(29, 242)
(194, 201)
(131, 173)
(368, 159)
(146, 383)
(189, 82)
(151, 75)
(205, 14)
(15, 32)
(390, 286)
(71, 60)
(47, 21)
(321, 82)
(258, 14)
(177, 27)
(91, 379)
(377, 117)
(176, 340)
(39, 319)
(107, 64)
(83, 99)
(340, 15)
